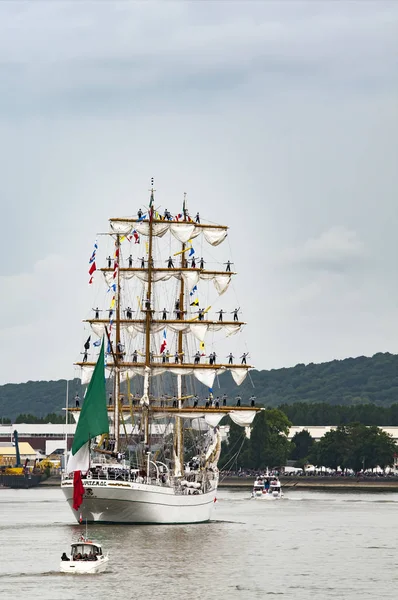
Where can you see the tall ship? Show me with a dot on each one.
(147, 439)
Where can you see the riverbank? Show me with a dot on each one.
(371, 484)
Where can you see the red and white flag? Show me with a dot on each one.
(164, 342)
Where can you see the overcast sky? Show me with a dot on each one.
(279, 119)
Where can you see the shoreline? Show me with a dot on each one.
(292, 483)
(319, 484)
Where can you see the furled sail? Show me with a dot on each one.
(183, 231)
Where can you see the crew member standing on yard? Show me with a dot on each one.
(197, 218)
(164, 314)
(235, 313)
(130, 261)
(228, 267)
(221, 312)
(243, 357)
(97, 312)
(77, 400)
(170, 264)
(109, 259)
(139, 213)
(230, 358)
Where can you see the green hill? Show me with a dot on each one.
(348, 382)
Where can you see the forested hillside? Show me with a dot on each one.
(349, 382)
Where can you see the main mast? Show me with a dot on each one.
(148, 319)
(179, 430)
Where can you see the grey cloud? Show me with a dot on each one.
(335, 249)
(278, 119)
(58, 60)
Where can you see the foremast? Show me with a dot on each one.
(118, 354)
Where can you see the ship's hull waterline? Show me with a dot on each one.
(125, 502)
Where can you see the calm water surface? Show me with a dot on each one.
(308, 546)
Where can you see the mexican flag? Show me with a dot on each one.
(93, 418)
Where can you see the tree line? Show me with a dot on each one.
(320, 413)
(354, 446)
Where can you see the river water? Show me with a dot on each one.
(310, 545)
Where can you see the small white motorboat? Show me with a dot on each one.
(267, 487)
(85, 557)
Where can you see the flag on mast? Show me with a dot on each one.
(93, 418)
(164, 342)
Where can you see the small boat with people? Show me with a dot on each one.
(268, 487)
(85, 556)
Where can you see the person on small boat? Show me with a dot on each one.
(64, 557)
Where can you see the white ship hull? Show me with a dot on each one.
(128, 502)
(81, 567)
(269, 496)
